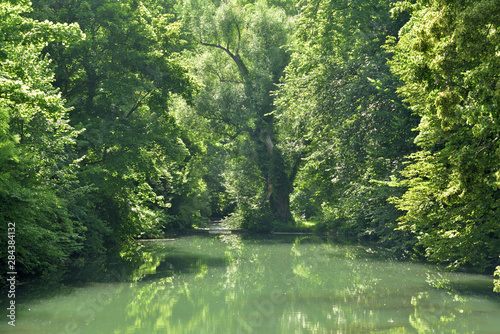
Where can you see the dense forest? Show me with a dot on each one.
(375, 119)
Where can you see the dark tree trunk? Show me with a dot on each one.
(281, 206)
(279, 186)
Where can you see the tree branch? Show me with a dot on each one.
(489, 146)
(138, 103)
(233, 137)
(235, 57)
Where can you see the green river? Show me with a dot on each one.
(234, 284)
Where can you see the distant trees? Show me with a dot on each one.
(240, 58)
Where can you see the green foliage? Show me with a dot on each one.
(132, 118)
(497, 280)
(98, 159)
(447, 57)
(36, 169)
(339, 113)
(119, 81)
(239, 60)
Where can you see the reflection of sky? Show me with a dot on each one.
(234, 284)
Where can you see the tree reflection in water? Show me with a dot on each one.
(243, 284)
(296, 285)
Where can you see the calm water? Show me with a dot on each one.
(234, 284)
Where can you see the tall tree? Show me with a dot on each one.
(119, 81)
(240, 59)
(339, 113)
(447, 57)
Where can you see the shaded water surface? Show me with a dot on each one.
(239, 284)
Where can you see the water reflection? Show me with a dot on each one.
(239, 284)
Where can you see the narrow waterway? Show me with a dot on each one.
(242, 284)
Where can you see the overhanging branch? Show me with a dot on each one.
(235, 57)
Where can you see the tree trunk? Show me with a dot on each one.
(281, 206)
(272, 165)
(278, 182)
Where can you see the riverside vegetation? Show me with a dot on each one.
(130, 119)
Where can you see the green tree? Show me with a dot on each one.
(119, 81)
(239, 60)
(447, 57)
(339, 112)
(37, 184)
